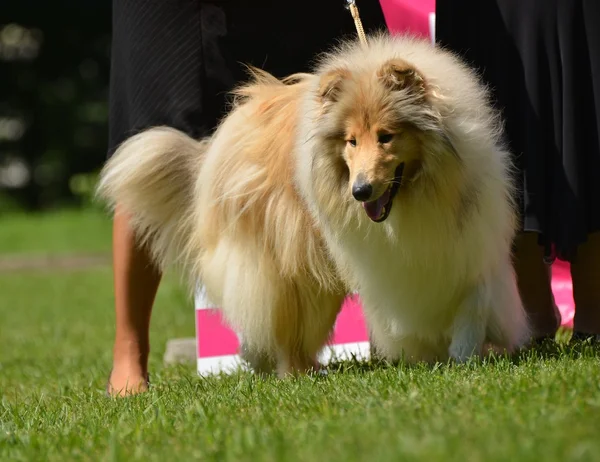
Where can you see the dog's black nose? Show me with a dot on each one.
(361, 190)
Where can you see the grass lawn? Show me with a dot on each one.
(55, 337)
(68, 231)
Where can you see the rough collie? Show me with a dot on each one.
(382, 173)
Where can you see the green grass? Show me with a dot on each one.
(67, 231)
(55, 338)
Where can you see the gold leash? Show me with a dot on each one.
(351, 5)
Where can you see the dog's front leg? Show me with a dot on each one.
(469, 327)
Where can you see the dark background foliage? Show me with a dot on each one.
(54, 71)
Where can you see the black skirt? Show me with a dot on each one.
(541, 59)
(174, 61)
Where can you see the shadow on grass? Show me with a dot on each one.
(561, 347)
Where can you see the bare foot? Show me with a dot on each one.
(136, 281)
(127, 379)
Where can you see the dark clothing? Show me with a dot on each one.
(542, 61)
(174, 61)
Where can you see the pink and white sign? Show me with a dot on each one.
(217, 344)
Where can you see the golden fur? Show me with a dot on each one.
(263, 212)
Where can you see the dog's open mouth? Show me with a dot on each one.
(378, 210)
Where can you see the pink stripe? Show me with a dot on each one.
(213, 336)
(412, 16)
(350, 324)
(562, 287)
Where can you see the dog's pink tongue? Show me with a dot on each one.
(374, 209)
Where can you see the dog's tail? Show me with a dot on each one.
(152, 178)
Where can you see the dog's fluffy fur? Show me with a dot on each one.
(263, 212)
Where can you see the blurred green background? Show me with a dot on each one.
(54, 73)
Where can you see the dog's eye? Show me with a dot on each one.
(352, 142)
(385, 138)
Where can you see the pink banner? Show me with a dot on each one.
(410, 16)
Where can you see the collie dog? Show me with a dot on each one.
(381, 173)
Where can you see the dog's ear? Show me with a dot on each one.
(330, 85)
(397, 74)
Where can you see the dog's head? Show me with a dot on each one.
(380, 119)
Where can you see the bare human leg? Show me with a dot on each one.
(586, 286)
(136, 281)
(534, 281)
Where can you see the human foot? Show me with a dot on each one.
(127, 379)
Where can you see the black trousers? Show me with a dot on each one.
(174, 61)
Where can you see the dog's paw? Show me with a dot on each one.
(462, 352)
(259, 362)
